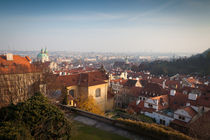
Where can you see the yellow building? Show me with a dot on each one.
(94, 83)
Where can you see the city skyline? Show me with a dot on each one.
(106, 26)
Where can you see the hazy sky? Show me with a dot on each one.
(105, 25)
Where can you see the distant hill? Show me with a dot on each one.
(198, 64)
(206, 53)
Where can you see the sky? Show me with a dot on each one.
(168, 26)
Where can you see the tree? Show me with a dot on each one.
(64, 96)
(89, 104)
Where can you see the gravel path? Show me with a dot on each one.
(109, 128)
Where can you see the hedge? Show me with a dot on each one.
(153, 130)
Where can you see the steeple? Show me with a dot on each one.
(126, 60)
(102, 68)
(45, 51)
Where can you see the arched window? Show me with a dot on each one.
(98, 92)
(71, 92)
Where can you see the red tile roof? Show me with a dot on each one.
(130, 83)
(162, 101)
(177, 101)
(83, 79)
(140, 107)
(179, 123)
(19, 64)
(201, 126)
(121, 81)
(189, 110)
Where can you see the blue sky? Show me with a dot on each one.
(108, 26)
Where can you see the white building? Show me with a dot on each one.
(185, 114)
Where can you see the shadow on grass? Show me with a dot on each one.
(81, 131)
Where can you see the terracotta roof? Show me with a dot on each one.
(203, 100)
(121, 81)
(190, 111)
(68, 80)
(154, 88)
(163, 101)
(179, 123)
(140, 107)
(172, 83)
(157, 80)
(19, 64)
(130, 83)
(177, 101)
(134, 106)
(77, 70)
(134, 91)
(149, 90)
(83, 79)
(201, 124)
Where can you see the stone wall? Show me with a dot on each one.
(16, 88)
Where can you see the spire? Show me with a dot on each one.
(42, 51)
(102, 68)
(45, 51)
(126, 60)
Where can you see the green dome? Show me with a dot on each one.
(41, 55)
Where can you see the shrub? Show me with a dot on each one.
(14, 131)
(153, 130)
(35, 117)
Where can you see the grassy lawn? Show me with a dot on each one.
(84, 132)
(145, 118)
(122, 114)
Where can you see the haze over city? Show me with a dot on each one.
(104, 69)
(106, 26)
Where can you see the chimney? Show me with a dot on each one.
(9, 57)
(172, 92)
(164, 84)
(192, 96)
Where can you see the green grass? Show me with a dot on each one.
(119, 114)
(84, 132)
(145, 118)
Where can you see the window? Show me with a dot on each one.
(181, 118)
(162, 122)
(71, 92)
(98, 92)
(150, 105)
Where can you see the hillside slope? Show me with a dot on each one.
(198, 64)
